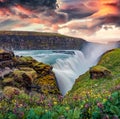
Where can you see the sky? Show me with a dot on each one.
(92, 20)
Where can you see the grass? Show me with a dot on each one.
(27, 33)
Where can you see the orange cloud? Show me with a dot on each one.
(4, 12)
(23, 10)
(107, 7)
(108, 1)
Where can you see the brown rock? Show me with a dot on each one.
(98, 71)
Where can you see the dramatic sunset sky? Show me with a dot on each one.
(93, 20)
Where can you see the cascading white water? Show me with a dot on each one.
(68, 67)
(67, 70)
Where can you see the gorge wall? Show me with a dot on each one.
(18, 40)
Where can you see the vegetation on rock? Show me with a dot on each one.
(29, 75)
(99, 71)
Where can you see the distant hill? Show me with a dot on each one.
(20, 40)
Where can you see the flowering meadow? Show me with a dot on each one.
(22, 106)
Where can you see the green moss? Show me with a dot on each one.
(7, 80)
(21, 33)
(10, 91)
(27, 59)
(99, 68)
(111, 60)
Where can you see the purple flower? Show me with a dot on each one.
(21, 114)
(16, 92)
(49, 104)
(87, 105)
(14, 111)
(100, 105)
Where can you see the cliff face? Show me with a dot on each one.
(34, 41)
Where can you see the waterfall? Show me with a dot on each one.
(67, 70)
(68, 67)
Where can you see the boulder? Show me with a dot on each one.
(47, 84)
(6, 58)
(23, 61)
(46, 79)
(99, 71)
(6, 55)
(21, 78)
(11, 91)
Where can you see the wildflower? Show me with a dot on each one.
(0, 105)
(21, 114)
(46, 110)
(75, 98)
(14, 111)
(115, 117)
(13, 101)
(16, 92)
(60, 97)
(86, 105)
(67, 108)
(81, 106)
(42, 97)
(54, 99)
(100, 105)
(106, 117)
(96, 85)
(20, 105)
(17, 105)
(104, 100)
(55, 103)
(49, 104)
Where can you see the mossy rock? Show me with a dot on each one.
(24, 61)
(47, 84)
(31, 75)
(99, 71)
(41, 67)
(11, 91)
(21, 78)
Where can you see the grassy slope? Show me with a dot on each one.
(100, 87)
(27, 33)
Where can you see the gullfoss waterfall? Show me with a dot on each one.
(68, 66)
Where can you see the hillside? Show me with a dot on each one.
(100, 83)
(19, 40)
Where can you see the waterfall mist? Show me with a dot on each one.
(68, 70)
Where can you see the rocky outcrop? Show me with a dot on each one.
(11, 91)
(6, 55)
(28, 75)
(98, 71)
(35, 41)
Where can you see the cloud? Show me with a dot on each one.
(78, 18)
(34, 11)
(7, 24)
(76, 9)
(108, 12)
(26, 7)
